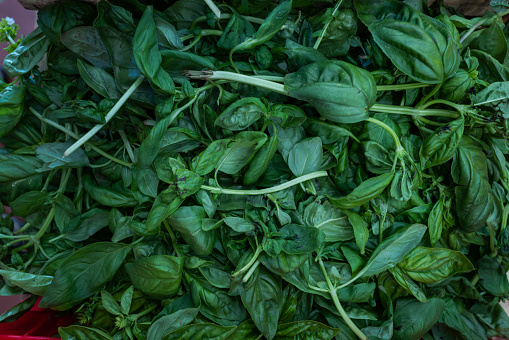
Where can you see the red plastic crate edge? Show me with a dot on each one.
(35, 324)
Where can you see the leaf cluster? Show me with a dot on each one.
(283, 170)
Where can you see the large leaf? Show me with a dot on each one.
(339, 91)
(391, 251)
(432, 265)
(474, 201)
(27, 54)
(32, 283)
(157, 276)
(84, 273)
(263, 298)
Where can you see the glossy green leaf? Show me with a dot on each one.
(263, 299)
(340, 92)
(305, 330)
(32, 283)
(432, 265)
(157, 276)
(12, 106)
(84, 273)
(147, 55)
(440, 146)
(412, 319)
(272, 24)
(27, 54)
(364, 193)
(82, 333)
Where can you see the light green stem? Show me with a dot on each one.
(475, 279)
(429, 122)
(401, 87)
(202, 34)
(326, 26)
(236, 77)
(75, 136)
(108, 117)
(410, 111)
(250, 263)
(173, 238)
(428, 96)
(23, 229)
(494, 250)
(225, 16)
(280, 187)
(251, 271)
(41, 232)
(47, 223)
(442, 101)
(334, 295)
(127, 145)
(213, 8)
(395, 137)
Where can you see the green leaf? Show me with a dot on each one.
(82, 333)
(271, 25)
(401, 187)
(208, 159)
(432, 265)
(205, 331)
(84, 273)
(360, 229)
(474, 201)
(411, 49)
(440, 146)
(170, 323)
(341, 92)
(99, 80)
(112, 197)
(52, 154)
(329, 219)
(32, 283)
(406, 282)
(146, 52)
(297, 239)
(241, 152)
(412, 319)
(263, 298)
(236, 32)
(362, 292)
(86, 42)
(29, 203)
(306, 330)
(165, 204)
(17, 167)
(27, 54)
(126, 300)
(364, 193)
(241, 114)
(157, 276)
(306, 157)
(239, 224)
(492, 41)
(12, 107)
(493, 94)
(109, 303)
(187, 221)
(493, 277)
(261, 161)
(436, 222)
(214, 303)
(391, 251)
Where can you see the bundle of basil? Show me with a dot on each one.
(253, 170)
